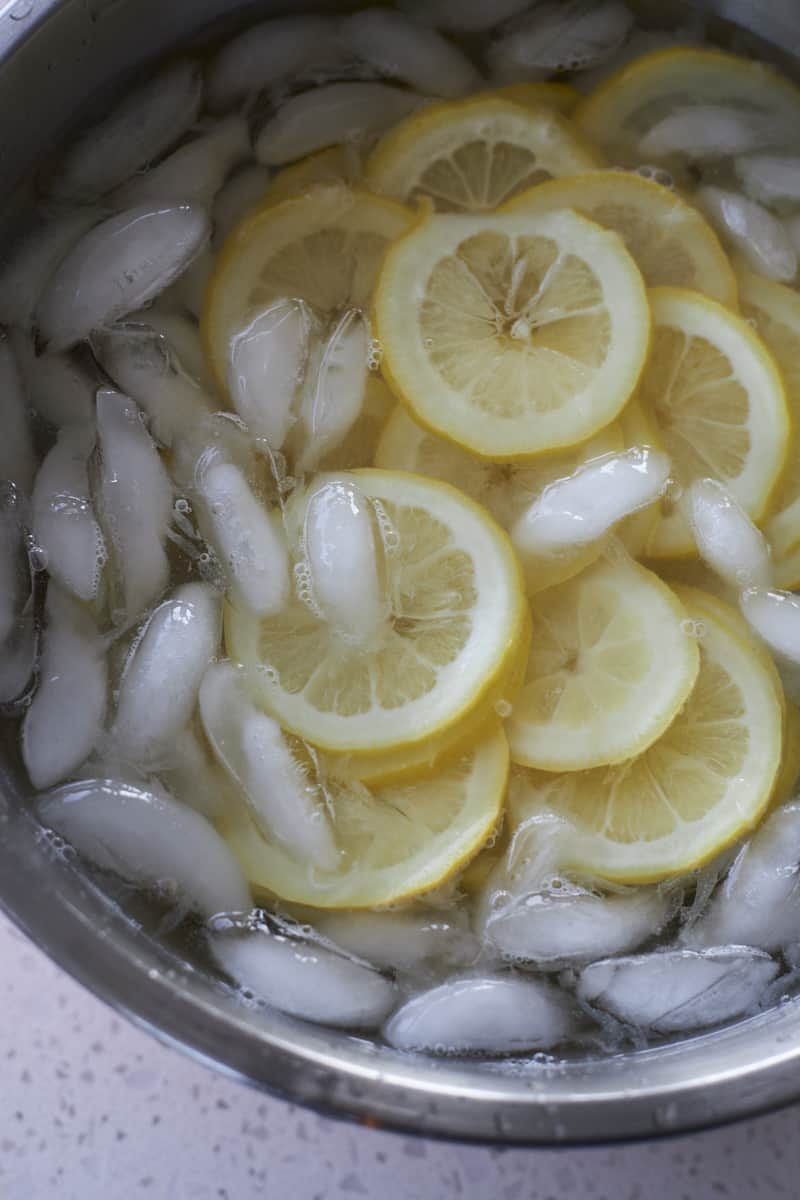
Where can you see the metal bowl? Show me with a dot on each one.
(56, 58)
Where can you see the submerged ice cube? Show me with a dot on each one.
(711, 131)
(489, 1015)
(726, 537)
(268, 359)
(195, 172)
(402, 49)
(304, 979)
(406, 940)
(64, 522)
(752, 230)
(557, 36)
(758, 902)
(285, 803)
(63, 723)
(334, 393)
(671, 991)
(329, 116)
(159, 687)
(342, 556)
(775, 616)
(583, 506)
(148, 838)
(119, 265)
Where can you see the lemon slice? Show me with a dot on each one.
(774, 310)
(610, 666)
(786, 783)
(560, 96)
(717, 399)
(455, 619)
(336, 165)
(703, 784)
(323, 247)
(506, 489)
(512, 334)
(623, 110)
(472, 155)
(407, 762)
(673, 245)
(394, 842)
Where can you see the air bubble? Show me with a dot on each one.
(693, 629)
(374, 354)
(503, 709)
(182, 505)
(655, 175)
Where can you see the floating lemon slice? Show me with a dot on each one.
(323, 248)
(774, 310)
(512, 334)
(472, 155)
(506, 489)
(610, 667)
(717, 399)
(705, 783)
(453, 621)
(622, 113)
(786, 783)
(672, 244)
(394, 842)
(560, 96)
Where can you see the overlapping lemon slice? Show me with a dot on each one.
(622, 113)
(394, 842)
(610, 666)
(560, 96)
(455, 619)
(506, 489)
(472, 155)
(336, 165)
(704, 783)
(673, 245)
(718, 402)
(512, 334)
(774, 310)
(323, 247)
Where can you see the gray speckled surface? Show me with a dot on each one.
(92, 1108)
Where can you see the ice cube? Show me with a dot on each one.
(119, 265)
(463, 16)
(135, 501)
(248, 539)
(64, 721)
(31, 264)
(64, 523)
(303, 979)
(749, 228)
(771, 179)
(329, 116)
(558, 37)
(489, 1015)
(585, 505)
(562, 923)
(671, 991)
(181, 338)
(147, 837)
(242, 192)
(138, 131)
(406, 940)
(159, 687)
(639, 42)
(758, 902)
(144, 365)
(269, 54)
(711, 131)
(268, 360)
(17, 464)
(60, 387)
(726, 537)
(342, 557)
(402, 49)
(195, 172)
(285, 803)
(775, 616)
(334, 394)
(193, 777)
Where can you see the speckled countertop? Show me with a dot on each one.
(93, 1109)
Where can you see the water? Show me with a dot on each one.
(150, 500)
